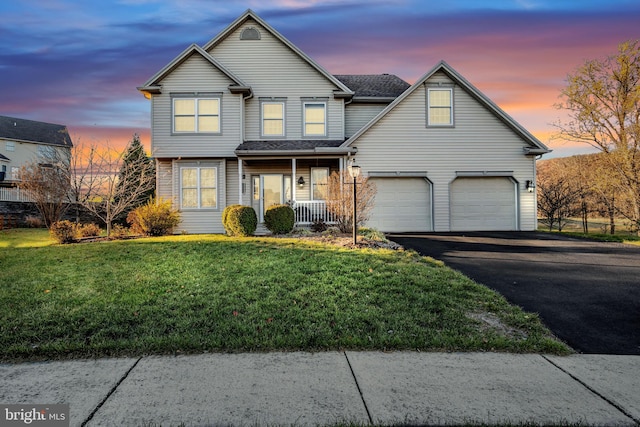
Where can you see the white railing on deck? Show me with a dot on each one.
(13, 195)
(309, 211)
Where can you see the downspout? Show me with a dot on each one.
(242, 134)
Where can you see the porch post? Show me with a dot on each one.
(240, 181)
(294, 182)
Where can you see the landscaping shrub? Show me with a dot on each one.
(87, 230)
(372, 234)
(156, 218)
(279, 219)
(318, 225)
(119, 232)
(239, 220)
(34, 222)
(225, 216)
(64, 231)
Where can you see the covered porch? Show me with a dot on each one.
(297, 177)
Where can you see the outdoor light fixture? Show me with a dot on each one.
(530, 186)
(354, 171)
(301, 182)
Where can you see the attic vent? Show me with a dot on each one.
(250, 33)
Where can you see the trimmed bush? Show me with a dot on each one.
(156, 218)
(279, 219)
(64, 231)
(119, 232)
(87, 230)
(225, 216)
(239, 220)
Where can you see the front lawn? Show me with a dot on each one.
(186, 294)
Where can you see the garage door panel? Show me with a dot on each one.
(483, 204)
(401, 204)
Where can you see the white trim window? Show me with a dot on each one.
(319, 182)
(440, 102)
(272, 118)
(315, 119)
(196, 115)
(10, 146)
(198, 187)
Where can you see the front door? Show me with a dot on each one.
(267, 191)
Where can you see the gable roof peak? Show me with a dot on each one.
(151, 85)
(535, 146)
(249, 13)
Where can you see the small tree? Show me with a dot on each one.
(106, 187)
(48, 184)
(340, 199)
(558, 196)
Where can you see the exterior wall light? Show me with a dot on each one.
(301, 182)
(530, 186)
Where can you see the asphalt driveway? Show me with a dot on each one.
(587, 293)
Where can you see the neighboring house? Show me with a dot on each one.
(26, 141)
(249, 118)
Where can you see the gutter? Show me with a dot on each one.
(310, 152)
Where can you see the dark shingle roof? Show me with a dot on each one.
(30, 130)
(2, 157)
(285, 145)
(374, 85)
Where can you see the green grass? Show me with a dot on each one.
(189, 294)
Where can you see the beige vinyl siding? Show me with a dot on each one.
(274, 70)
(401, 141)
(200, 221)
(25, 153)
(164, 181)
(233, 191)
(358, 115)
(195, 75)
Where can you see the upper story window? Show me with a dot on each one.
(319, 181)
(440, 107)
(272, 118)
(198, 188)
(10, 146)
(196, 115)
(315, 119)
(46, 152)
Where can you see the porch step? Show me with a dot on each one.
(261, 230)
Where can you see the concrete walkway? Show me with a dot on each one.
(282, 389)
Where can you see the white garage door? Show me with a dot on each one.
(483, 204)
(402, 204)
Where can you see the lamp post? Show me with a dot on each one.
(354, 171)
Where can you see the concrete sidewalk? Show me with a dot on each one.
(334, 387)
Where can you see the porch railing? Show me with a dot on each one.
(308, 211)
(13, 195)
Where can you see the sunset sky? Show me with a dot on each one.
(78, 63)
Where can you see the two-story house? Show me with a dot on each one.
(249, 118)
(26, 141)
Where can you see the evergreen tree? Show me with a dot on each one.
(135, 171)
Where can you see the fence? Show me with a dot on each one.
(13, 194)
